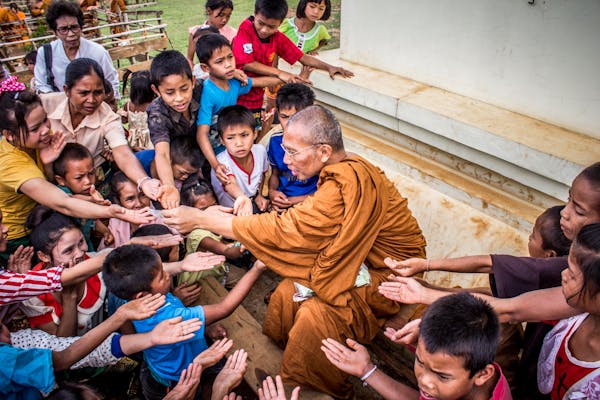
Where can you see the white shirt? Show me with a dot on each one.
(60, 61)
(248, 181)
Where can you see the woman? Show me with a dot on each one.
(84, 118)
(27, 144)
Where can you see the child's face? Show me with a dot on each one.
(176, 91)
(572, 283)
(314, 11)
(3, 235)
(69, 250)
(284, 115)
(535, 243)
(204, 201)
(130, 198)
(265, 27)
(111, 101)
(38, 128)
(441, 376)
(221, 64)
(30, 66)
(583, 208)
(161, 282)
(238, 140)
(79, 177)
(183, 171)
(218, 17)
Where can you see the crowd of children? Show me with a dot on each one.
(197, 135)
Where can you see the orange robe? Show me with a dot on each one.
(355, 216)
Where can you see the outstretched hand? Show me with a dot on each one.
(408, 267)
(403, 290)
(232, 373)
(141, 308)
(138, 217)
(214, 353)
(353, 360)
(187, 385)
(408, 334)
(333, 71)
(200, 261)
(242, 206)
(20, 260)
(168, 195)
(174, 330)
(274, 390)
(157, 241)
(97, 198)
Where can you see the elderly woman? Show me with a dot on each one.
(84, 118)
(65, 18)
(332, 244)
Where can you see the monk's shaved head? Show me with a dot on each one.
(320, 126)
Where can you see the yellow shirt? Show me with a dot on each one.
(93, 130)
(17, 168)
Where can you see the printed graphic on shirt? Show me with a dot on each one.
(248, 48)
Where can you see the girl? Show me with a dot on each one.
(58, 240)
(305, 29)
(134, 112)
(569, 364)
(218, 13)
(26, 145)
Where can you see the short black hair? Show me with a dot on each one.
(63, 8)
(207, 44)
(71, 152)
(81, 67)
(297, 95)
(301, 8)
(216, 4)
(169, 62)
(592, 175)
(47, 226)
(151, 230)
(271, 9)
(31, 57)
(462, 325)
(235, 115)
(553, 238)
(185, 148)
(586, 253)
(204, 30)
(194, 186)
(140, 91)
(130, 269)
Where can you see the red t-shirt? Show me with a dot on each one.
(248, 47)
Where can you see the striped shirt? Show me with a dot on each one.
(16, 287)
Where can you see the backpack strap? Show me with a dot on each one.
(48, 61)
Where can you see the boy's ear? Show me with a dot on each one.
(205, 67)
(140, 295)
(484, 375)
(155, 90)
(43, 257)
(60, 180)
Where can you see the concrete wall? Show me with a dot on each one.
(542, 60)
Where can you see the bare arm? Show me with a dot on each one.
(412, 266)
(537, 305)
(202, 139)
(320, 64)
(218, 247)
(265, 81)
(131, 167)
(267, 70)
(186, 219)
(162, 161)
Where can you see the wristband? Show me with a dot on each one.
(427, 266)
(367, 375)
(141, 181)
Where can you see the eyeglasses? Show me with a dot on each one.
(293, 154)
(63, 30)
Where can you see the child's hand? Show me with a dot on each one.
(403, 290)
(188, 384)
(151, 188)
(354, 360)
(108, 237)
(222, 173)
(408, 334)
(174, 330)
(275, 390)
(168, 196)
(242, 206)
(279, 201)
(305, 71)
(188, 293)
(97, 198)
(141, 308)
(286, 77)
(50, 153)
(260, 266)
(138, 217)
(240, 76)
(157, 241)
(232, 373)
(20, 260)
(199, 261)
(214, 353)
(408, 267)
(234, 252)
(333, 71)
(261, 202)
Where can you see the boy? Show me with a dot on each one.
(246, 163)
(186, 159)
(285, 189)
(75, 175)
(454, 360)
(258, 42)
(172, 114)
(133, 271)
(219, 90)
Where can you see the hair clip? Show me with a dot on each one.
(11, 84)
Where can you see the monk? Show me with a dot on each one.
(356, 217)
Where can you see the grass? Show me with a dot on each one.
(181, 14)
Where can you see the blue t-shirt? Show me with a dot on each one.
(146, 157)
(25, 373)
(168, 361)
(213, 100)
(288, 183)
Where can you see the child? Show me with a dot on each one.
(220, 90)
(186, 159)
(109, 95)
(172, 114)
(454, 357)
(75, 175)
(58, 240)
(30, 59)
(285, 189)
(547, 238)
(245, 162)
(258, 42)
(200, 31)
(133, 271)
(569, 363)
(306, 30)
(134, 111)
(218, 13)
